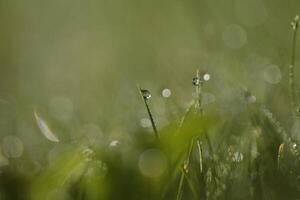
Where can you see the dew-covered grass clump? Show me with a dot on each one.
(106, 125)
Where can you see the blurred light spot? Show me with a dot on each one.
(152, 163)
(44, 128)
(272, 74)
(237, 157)
(251, 13)
(12, 146)
(145, 123)
(61, 108)
(114, 143)
(166, 93)
(234, 36)
(206, 77)
(251, 99)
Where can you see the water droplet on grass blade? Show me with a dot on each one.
(196, 81)
(45, 129)
(146, 94)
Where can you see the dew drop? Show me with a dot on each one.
(146, 94)
(196, 81)
(166, 93)
(45, 129)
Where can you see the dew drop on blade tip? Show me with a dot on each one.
(146, 94)
(196, 81)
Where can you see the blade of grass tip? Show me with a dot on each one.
(146, 95)
(295, 106)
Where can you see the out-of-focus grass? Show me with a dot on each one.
(78, 63)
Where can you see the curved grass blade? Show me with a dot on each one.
(45, 130)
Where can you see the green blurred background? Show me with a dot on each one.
(78, 63)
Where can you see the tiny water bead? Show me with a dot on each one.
(166, 93)
(196, 81)
(146, 94)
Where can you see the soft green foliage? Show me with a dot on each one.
(73, 125)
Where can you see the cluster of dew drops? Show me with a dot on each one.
(167, 92)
